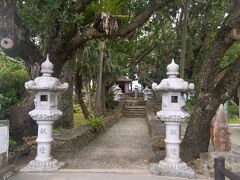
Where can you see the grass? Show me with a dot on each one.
(79, 119)
(234, 121)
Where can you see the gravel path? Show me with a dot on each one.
(125, 145)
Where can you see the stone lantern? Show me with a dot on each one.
(147, 94)
(172, 114)
(46, 90)
(117, 91)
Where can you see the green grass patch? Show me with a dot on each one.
(79, 119)
(234, 121)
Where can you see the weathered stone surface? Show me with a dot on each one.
(205, 164)
(7, 172)
(3, 160)
(221, 132)
(160, 171)
(4, 140)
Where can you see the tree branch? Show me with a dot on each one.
(228, 80)
(142, 55)
(12, 28)
(90, 33)
(81, 5)
(216, 51)
(142, 18)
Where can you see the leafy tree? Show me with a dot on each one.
(31, 29)
(12, 78)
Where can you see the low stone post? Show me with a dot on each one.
(4, 141)
(6, 171)
(45, 113)
(172, 114)
(147, 94)
(135, 92)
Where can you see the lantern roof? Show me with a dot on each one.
(173, 83)
(46, 82)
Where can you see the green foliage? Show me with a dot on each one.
(234, 121)
(12, 144)
(96, 121)
(110, 104)
(78, 118)
(233, 111)
(12, 78)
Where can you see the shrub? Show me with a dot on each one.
(12, 144)
(110, 104)
(13, 75)
(96, 121)
(233, 111)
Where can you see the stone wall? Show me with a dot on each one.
(157, 131)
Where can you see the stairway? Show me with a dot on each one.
(134, 111)
(134, 107)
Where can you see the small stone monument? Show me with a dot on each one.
(6, 170)
(221, 132)
(147, 94)
(4, 141)
(172, 114)
(117, 91)
(45, 113)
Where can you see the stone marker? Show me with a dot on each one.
(147, 94)
(4, 141)
(6, 170)
(221, 132)
(172, 114)
(45, 113)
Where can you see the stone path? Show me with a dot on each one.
(124, 146)
(91, 176)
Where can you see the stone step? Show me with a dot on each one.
(134, 110)
(134, 115)
(135, 107)
(126, 111)
(137, 115)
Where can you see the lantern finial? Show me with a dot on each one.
(47, 67)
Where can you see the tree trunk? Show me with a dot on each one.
(184, 39)
(196, 139)
(103, 96)
(89, 94)
(98, 111)
(21, 124)
(78, 91)
(65, 100)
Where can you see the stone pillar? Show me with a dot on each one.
(126, 87)
(6, 171)
(172, 114)
(46, 90)
(4, 141)
(147, 94)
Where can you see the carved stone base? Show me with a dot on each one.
(43, 166)
(172, 169)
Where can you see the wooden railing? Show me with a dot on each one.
(221, 172)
